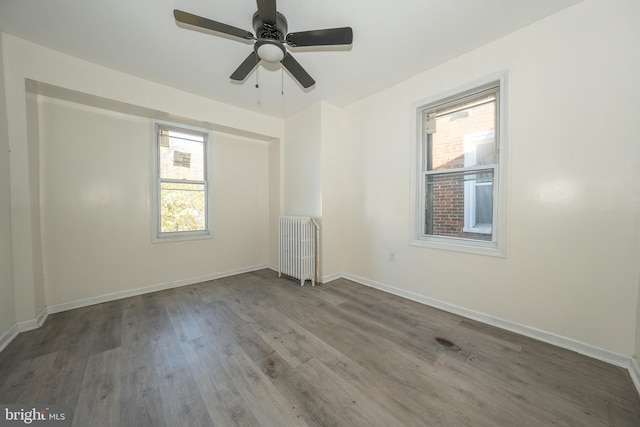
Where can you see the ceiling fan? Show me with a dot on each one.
(271, 35)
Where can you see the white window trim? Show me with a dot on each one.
(156, 235)
(497, 247)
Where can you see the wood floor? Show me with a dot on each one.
(255, 350)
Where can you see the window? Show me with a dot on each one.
(459, 144)
(181, 185)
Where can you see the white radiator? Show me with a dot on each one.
(298, 248)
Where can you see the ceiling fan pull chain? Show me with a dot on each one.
(258, 84)
(257, 81)
(282, 85)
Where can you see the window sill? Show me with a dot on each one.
(460, 245)
(181, 237)
(483, 229)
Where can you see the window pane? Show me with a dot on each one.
(484, 205)
(463, 135)
(182, 207)
(181, 156)
(485, 152)
(459, 205)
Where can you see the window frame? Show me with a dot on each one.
(158, 236)
(495, 247)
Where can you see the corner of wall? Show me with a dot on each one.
(637, 324)
(7, 307)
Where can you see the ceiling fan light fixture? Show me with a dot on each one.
(270, 51)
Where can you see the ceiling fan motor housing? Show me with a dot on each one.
(266, 30)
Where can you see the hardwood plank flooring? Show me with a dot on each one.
(256, 350)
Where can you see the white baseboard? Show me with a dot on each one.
(328, 278)
(634, 371)
(148, 289)
(23, 326)
(528, 331)
(9, 335)
(30, 325)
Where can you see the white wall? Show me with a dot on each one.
(302, 163)
(33, 144)
(107, 205)
(313, 177)
(573, 159)
(275, 200)
(96, 210)
(7, 314)
(332, 181)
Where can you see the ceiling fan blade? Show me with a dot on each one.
(267, 11)
(297, 71)
(247, 66)
(199, 22)
(328, 37)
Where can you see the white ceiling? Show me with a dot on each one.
(392, 41)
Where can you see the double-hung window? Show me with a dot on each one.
(181, 185)
(459, 167)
